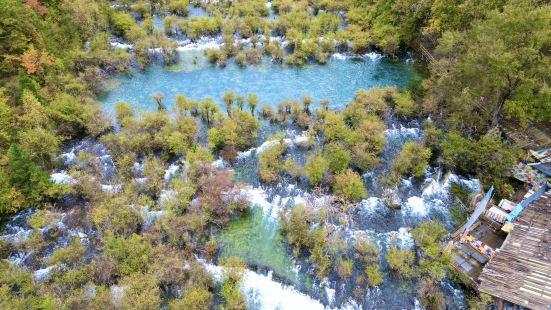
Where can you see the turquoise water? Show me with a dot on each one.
(256, 239)
(194, 77)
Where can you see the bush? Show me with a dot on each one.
(195, 297)
(315, 168)
(435, 259)
(42, 218)
(430, 296)
(337, 156)
(141, 292)
(71, 255)
(122, 22)
(349, 185)
(297, 227)
(412, 159)
(334, 127)
(233, 275)
(269, 162)
(404, 104)
(374, 275)
(401, 261)
(129, 255)
(489, 158)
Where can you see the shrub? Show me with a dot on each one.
(349, 185)
(122, 22)
(70, 255)
(374, 275)
(430, 296)
(129, 255)
(269, 162)
(297, 227)
(334, 127)
(141, 292)
(42, 218)
(489, 158)
(320, 254)
(123, 112)
(401, 261)
(240, 59)
(233, 274)
(404, 104)
(412, 159)
(315, 168)
(344, 268)
(337, 156)
(435, 259)
(195, 297)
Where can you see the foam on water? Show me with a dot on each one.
(274, 295)
(62, 178)
(42, 274)
(416, 206)
(149, 216)
(259, 197)
(21, 234)
(69, 157)
(202, 43)
(263, 291)
(371, 204)
(124, 46)
(219, 163)
(374, 56)
(339, 56)
(402, 133)
(172, 169)
(111, 188)
(301, 140)
(404, 239)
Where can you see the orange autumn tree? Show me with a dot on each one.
(37, 6)
(33, 61)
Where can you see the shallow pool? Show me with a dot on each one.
(194, 77)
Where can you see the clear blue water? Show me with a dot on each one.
(195, 78)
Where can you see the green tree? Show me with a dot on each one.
(435, 259)
(228, 98)
(252, 101)
(25, 176)
(492, 71)
(401, 261)
(489, 158)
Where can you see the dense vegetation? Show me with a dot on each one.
(489, 64)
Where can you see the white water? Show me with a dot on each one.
(42, 274)
(62, 178)
(301, 140)
(263, 290)
(260, 198)
(172, 169)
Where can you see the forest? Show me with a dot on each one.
(483, 65)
